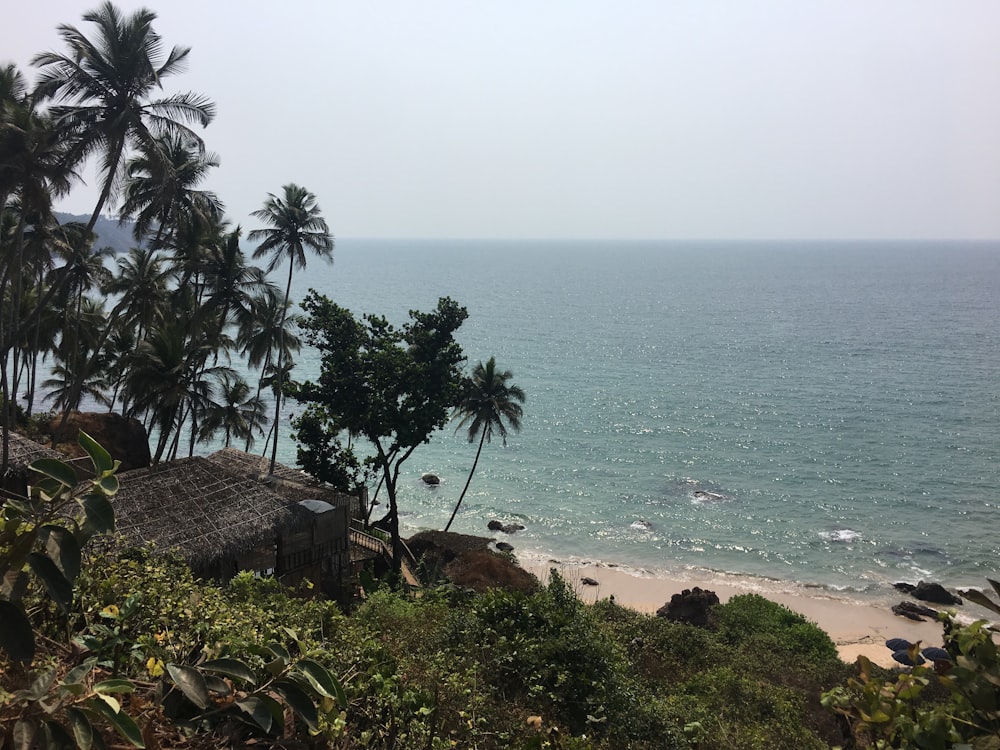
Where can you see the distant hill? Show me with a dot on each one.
(109, 233)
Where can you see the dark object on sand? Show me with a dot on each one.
(933, 653)
(903, 657)
(906, 588)
(691, 606)
(934, 592)
(431, 479)
(898, 644)
(914, 611)
(505, 547)
(587, 581)
(506, 528)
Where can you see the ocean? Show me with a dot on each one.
(788, 414)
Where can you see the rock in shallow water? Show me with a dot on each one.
(935, 593)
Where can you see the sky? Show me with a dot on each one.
(646, 119)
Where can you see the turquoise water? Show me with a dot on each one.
(826, 414)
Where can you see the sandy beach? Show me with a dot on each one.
(856, 628)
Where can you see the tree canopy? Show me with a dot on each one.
(392, 386)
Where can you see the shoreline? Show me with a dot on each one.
(857, 628)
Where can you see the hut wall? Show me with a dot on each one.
(318, 552)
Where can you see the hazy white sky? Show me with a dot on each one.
(578, 118)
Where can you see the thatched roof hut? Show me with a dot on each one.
(21, 453)
(291, 483)
(201, 509)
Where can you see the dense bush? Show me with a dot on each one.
(451, 668)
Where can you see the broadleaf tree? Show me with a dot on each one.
(392, 386)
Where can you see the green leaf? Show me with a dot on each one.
(24, 734)
(191, 683)
(100, 457)
(322, 681)
(109, 484)
(39, 687)
(15, 583)
(230, 668)
(109, 687)
(300, 702)
(217, 685)
(279, 651)
(57, 738)
(62, 549)
(83, 730)
(77, 673)
(16, 636)
(978, 597)
(46, 488)
(120, 720)
(258, 711)
(55, 582)
(100, 514)
(55, 469)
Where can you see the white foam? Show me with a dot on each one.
(840, 535)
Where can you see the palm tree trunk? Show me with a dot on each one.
(281, 365)
(472, 471)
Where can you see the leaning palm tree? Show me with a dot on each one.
(294, 225)
(103, 87)
(488, 404)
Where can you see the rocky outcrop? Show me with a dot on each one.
(431, 479)
(934, 593)
(467, 561)
(691, 606)
(125, 439)
(913, 611)
(506, 528)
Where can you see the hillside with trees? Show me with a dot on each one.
(105, 646)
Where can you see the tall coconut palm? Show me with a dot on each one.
(488, 404)
(295, 224)
(160, 187)
(103, 91)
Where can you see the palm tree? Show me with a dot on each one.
(487, 402)
(294, 224)
(236, 412)
(103, 89)
(160, 187)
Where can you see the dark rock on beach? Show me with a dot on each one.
(914, 611)
(691, 606)
(935, 593)
(505, 547)
(906, 588)
(588, 581)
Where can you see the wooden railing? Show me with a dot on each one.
(379, 546)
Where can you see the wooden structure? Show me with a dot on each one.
(222, 520)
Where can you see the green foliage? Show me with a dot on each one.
(392, 386)
(772, 631)
(933, 707)
(37, 533)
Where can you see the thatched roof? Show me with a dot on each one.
(22, 451)
(202, 509)
(290, 483)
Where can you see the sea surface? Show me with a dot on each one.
(794, 414)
